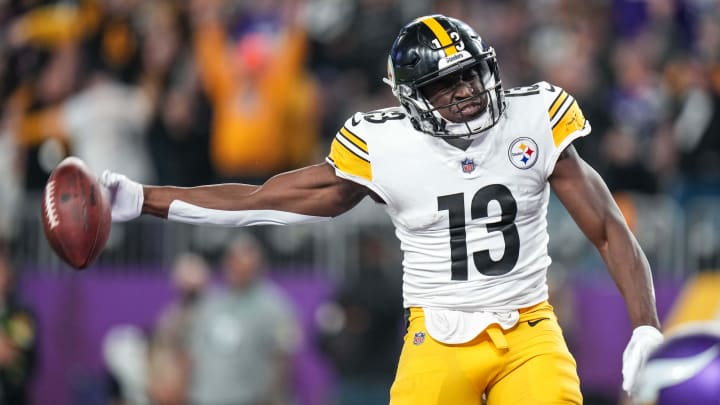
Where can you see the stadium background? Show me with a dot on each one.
(143, 88)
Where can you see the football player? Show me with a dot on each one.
(464, 169)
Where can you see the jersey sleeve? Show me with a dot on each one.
(566, 119)
(350, 155)
(359, 151)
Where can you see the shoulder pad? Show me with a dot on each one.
(532, 90)
(349, 151)
(564, 113)
(381, 116)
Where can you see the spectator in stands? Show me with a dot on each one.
(697, 136)
(168, 368)
(18, 341)
(104, 124)
(264, 108)
(624, 163)
(91, 52)
(91, 96)
(356, 328)
(125, 349)
(243, 337)
(39, 88)
(179, 128)
(349, 53)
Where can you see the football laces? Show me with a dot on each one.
(50, 211)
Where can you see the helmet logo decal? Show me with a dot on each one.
(523, 153)
(468, 165)
(451, 60)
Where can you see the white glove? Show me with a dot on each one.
(643, 341)
(126, 196)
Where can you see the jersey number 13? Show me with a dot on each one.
(455, 205)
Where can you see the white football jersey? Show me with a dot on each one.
(471, 223)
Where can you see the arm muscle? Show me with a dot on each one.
(588, 200)
(313, 190)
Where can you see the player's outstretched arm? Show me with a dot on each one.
(588, 200)
(295, 196)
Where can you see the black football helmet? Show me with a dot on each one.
(431, 48)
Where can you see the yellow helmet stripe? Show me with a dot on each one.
(441, 35)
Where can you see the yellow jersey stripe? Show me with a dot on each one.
(559, 100)
(572, 120)
(348, 161)
(354, 139)
(441, 35)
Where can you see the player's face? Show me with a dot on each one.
(458, 97)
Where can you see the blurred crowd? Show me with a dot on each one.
(229, 342)
(188, 92)
(18, 339)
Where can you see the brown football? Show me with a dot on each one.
(75, 213)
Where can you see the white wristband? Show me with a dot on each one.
(181, 211)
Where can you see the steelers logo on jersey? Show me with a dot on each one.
(523, 153)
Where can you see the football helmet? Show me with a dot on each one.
(431, 48)
(685, 369)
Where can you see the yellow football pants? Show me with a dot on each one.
(528, 364)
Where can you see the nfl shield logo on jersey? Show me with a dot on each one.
(419, 338)
(468, 165)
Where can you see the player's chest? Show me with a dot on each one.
(426, 174)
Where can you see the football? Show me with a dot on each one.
(75, 213)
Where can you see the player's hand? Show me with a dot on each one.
(126, 196)
(643, 341)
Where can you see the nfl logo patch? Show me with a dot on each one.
(419, 338)
(468, 165)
